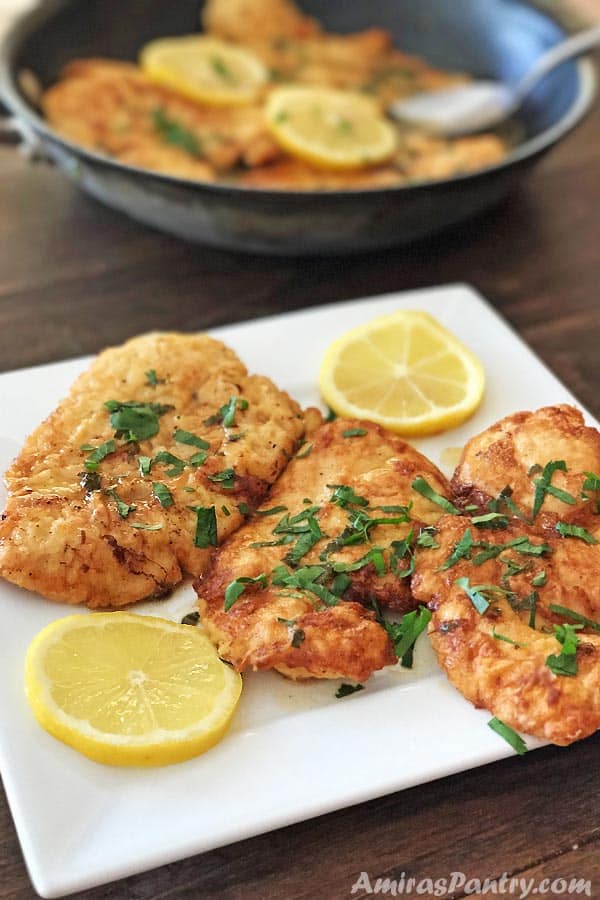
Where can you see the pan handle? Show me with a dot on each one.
(15, 131)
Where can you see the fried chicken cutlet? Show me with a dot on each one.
(514, 451)
(113, 107)
(295, 588)
(497, 622)
(141, 469)
(515, 588)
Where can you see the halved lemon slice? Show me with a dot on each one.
(404, 371)
(130, 690)
(205, 69)
(328, 128)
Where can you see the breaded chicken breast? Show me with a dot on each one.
(113, 107)
(515, 453)
(292, 589)
(141, 470)
(508, 609)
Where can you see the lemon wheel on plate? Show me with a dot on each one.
(130, 690)
(205, 69)
(328, 128)
(404, 371)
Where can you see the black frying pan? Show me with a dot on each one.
(497, 38)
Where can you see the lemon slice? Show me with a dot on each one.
(328, 128)
(130, 690)
(404, 371)
(205, 69)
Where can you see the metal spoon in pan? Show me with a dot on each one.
(484, 104)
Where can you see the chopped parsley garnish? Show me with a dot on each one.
(225, 510)
(374, 556)
(175, 133)
(477, 593)
(490, 520)
(236, 588)
(144, 464)
(305, 542)
(198, 459)
(122, 508)
(206, 526)
(295, 524)
(400, 550)
(285, 539)
(343, 495)
(540, 579)
(543, 486)
(576, 531)
(511, 737)
(354, 432)
(575, 616)
(162, 494)
(135, 421)
(565, 663)
(152, 378)
(226, 479)
(591, 483)
(226, 414)
(427, 539)
(186, 437)
(270, 512)
(504, 499)
(422, 486)
(345, 690)
(191, 618)
(503, 637)
(331, 416)
(306, 452)
(521, 544)
(175, 465)
(307, 578)
(404, 633)
(97, 454)
(462, 550)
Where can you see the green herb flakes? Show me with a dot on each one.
(206, 526)
(345, 690)
(422, 486)
(97, 454)
(135, 421)
(236, 588)
(175, 133)
(565, 663)
(162, 494)
(186, 437)
(354, 432)
(576, 531)
(511, 737)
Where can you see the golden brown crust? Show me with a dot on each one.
(515, 683)
(505, 453)
(379, 467)
(70, 543)
(111, 107)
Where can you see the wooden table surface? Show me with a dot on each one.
(75, 276)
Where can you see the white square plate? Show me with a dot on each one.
(293, 751)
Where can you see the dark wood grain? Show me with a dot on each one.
(75, 277)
